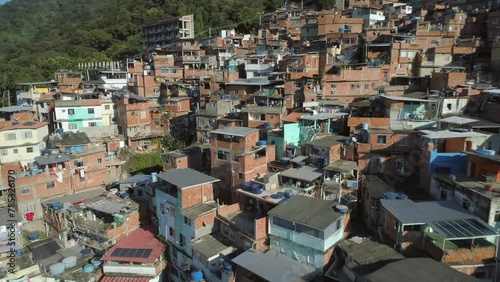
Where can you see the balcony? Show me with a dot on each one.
(258, 67)
(33, 95)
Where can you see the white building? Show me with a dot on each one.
(73, 115)
(371, 16)
(23, 142)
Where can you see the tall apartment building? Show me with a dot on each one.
(160, 34)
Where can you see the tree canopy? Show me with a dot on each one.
(39, 37)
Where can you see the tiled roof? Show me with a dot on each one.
(143, 238)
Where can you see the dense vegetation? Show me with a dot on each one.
(39, 37)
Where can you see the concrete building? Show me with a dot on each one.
(141, 249)
(185, 208)
(306, 229)
(237, 157)
(164, 33)
(445, 231)
(22, 142)
(72, 115)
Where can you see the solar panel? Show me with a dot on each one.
(116, 252)
(146, 253)
(131, 253)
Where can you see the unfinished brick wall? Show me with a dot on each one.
(206, 219)
(196, 195)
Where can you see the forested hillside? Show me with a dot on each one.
(38, 37)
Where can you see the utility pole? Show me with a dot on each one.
(209, 32)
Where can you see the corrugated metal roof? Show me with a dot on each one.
(304, 173)
(458, 120)
(14, 109)
(106, 206)
(323, 116)
(407, 211)
(212, 245)
(444, 134)
(45, 160)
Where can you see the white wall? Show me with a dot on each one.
(453, 106)
(16, 150)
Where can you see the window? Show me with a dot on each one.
(448, 106)
(78, 163)
(466, 204)
(223, 155)
(50, 185)
(99, 161)
(90, 111)
(28, 135)
(207, 85)
(187, 221)
(171, 231)
(354, 86)
(106, 107)
(497, 216)
(72, 126)
(241, 175)
(11, 136)
(381, 139)
(403, 141)
(16, 151)
(182, 240)
(339, 224)
(283, 223)
(410, 55)
(444, 194)
(236, 92)
(92, 124)
(164, 70)
(71, 111)
(447, 58)
(403, 54)
(143, 115)
(82, 179)
(157, 122)
(25, 190)
(4, 152)
(29, 150)
(156, 90)
(367, 86)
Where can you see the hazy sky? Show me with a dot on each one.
(3, 2)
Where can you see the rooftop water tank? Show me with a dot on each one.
(34, 236)
(278, 195)
(57, 268)
(486, 152)
(257, 189)
(57, 205)
(288, 194)
(285, 161)
(364, 126)
(341, 30)
(262, 143)
(247, 186)
(70, 262)
(96, 262)
(86, 251)
(124, 196)
(196, 275)
(154, 176)
(59, 131)
(301, 164)
(114, 190)
(88, 268)
(341, 209)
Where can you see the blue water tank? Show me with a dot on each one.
(247, 186)
(57, 205)
(227, 266)
(196, 275)
(341, 209)
(230, 68)
(402, 197)
(59, 130)
(34, 236)
(57, 268)
(86, 251)
(19, 252)
(262, 143)
(96, 262)
(390, 195)
(288, 194)
(124, 196)
(301, 164)
(486, 152)
(88, 268)
(154, 176)
(257, 189)
(278, 195)
(285, 161)
(341, 30)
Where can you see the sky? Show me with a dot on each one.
(3, 2)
